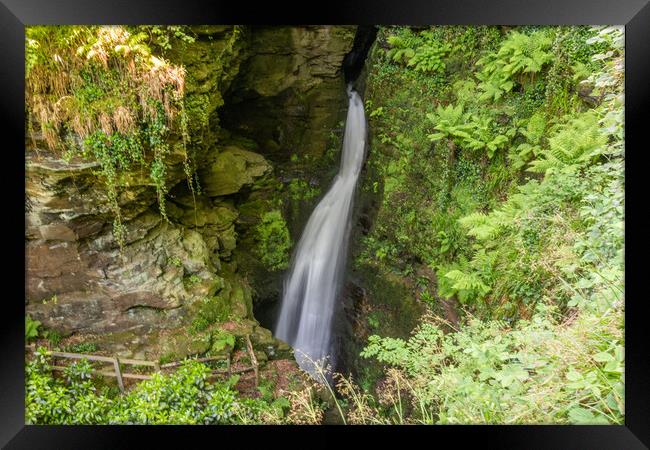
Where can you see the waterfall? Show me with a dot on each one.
(313, 284)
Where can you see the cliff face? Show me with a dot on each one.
(254, 98)
(291, 91)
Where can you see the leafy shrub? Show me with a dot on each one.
(182, 397)
(31, 328)
(82, 347)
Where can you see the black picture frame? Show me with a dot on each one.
(634, 14)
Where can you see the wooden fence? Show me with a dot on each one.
(116, 363)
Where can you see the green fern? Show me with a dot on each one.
(401, 51)
(575, 143)
(466, 130)
(429, 58)
(480, 226)
(533, 132)
(468, 285)
(518, 56)
(451, 122)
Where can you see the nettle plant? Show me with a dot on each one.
(98, 92)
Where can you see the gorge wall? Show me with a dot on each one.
(261, 103)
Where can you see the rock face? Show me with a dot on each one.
(282, 88)
(291, 92)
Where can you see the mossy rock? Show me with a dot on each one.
(263, 341)
(227, 241)
(181, 345)
(239, 328)
(230, 170)
(207, 287)
(204, 213)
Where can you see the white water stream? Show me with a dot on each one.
(313, 284)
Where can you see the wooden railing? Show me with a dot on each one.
(116, 363)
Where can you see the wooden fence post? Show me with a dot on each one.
(251, 352)
(118, 373)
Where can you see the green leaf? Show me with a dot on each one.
(579, 415)
(573, 375)
(436, 136)
(603, 357)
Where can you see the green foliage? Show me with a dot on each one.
(373, 321)
(210, 310)
(467, 284)
(574, 143)
(55, 401)
(182, 397)
(451, 122)
(429, 58)
(475, 132)
(53, 337)
(82, 347)
(274, 241)
(31, 328)
(521, 244)
(175, 261)
(163, 35)
(533, 132)
(99, 92)
(401, 51)
(193, 279)
(302, 190)
(538, 261)
(222, 340)
(421, 51)
(490, 373)
(519, 55)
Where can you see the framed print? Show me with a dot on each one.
(380, 218)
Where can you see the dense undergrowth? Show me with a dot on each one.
(502, 172)
(185, 396)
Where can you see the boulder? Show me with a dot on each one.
(230, 170)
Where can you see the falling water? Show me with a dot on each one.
(313, 284)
